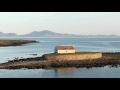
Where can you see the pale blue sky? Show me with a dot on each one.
(84, 23)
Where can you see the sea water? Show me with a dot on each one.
(47, 45)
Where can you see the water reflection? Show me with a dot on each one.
(64, 72)
(99, 72)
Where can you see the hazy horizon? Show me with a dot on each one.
(56, 32)
(80, 23)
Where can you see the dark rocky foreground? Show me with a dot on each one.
(112, 59)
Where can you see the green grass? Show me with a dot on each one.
(54, 54)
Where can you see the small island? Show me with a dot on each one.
(109, 58)
(15, 42)
(60, 59)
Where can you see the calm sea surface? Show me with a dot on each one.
(47, 45)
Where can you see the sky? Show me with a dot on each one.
(81, 23)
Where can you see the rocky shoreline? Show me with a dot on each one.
(109, 58)
(4, 43)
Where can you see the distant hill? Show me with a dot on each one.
(48, 33)
(7, 34)
(1, 33)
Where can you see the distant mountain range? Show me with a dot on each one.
(47, 33)
(7, 34)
